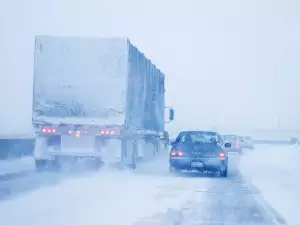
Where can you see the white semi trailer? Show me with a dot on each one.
(97, 98)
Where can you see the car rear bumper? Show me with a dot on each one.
(186, 163)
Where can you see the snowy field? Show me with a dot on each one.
(113, 197)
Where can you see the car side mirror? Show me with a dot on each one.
(171, 114)
(227, 145)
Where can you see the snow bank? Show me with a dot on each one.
(275, 171)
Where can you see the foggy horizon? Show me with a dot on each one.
(228, 65)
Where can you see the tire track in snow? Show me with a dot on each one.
(232, 201)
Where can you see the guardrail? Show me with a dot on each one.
(283, 142)
(15, 148)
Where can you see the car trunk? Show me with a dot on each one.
(205, 150)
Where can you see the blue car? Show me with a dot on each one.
(200, 151)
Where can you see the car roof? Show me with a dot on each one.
(199, 131)
(230, 135)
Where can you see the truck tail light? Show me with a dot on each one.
(107, 132)
(48, 130)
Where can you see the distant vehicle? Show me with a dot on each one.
(294, 141)
(235, 142)
(247, 142)
(199, 150)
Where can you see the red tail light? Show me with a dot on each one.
(48, 130)
(107, 132)
(176, 153)
(173, 153)
(222, 154)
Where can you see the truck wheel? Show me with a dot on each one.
(154, 149)
(94, 164)
(41, 165)
(134, 156)
(99, 163)
(157, 146)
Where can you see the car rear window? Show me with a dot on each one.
(198, 136)
(202, 137)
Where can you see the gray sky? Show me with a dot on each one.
(228, 64)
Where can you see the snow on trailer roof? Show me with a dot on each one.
(104, 38)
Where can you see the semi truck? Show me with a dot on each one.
(96, 98)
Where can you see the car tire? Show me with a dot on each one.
(224, 173)
(173, 169)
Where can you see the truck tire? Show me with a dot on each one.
(95, 163)
(41, 165)
(98, 163)
(155, 147)
(134, 155)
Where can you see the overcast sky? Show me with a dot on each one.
(229, 64)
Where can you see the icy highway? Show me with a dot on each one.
(261, 189)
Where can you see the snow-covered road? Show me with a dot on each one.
(275, 171)
(151, 195)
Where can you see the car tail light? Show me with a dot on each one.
(180, 153)
(176, 153)
(222, 154)
(173, 153)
